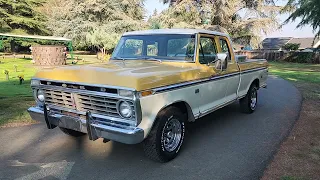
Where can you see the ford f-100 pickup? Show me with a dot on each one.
(156, 82)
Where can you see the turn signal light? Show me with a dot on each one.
(146, 93)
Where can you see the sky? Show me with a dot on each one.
(288, 30)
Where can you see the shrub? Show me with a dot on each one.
(300, 57)
(291, 46)
(107, 57)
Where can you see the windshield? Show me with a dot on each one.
(177, 47)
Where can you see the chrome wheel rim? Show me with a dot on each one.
(172, 135)
(253, 101)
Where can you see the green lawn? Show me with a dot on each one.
(12, 88)
(296, 72)
(305, 76)
(15, 98)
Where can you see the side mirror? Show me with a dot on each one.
(221, 63)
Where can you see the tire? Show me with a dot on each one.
(163, 144)
(248, 104)
(71, 132)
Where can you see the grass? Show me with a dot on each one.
(297, 72)
(305, 76)
(12, 88)
(15, 98)
(13, 111)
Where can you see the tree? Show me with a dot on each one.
(102, 40)
(307, 10)
(22, 17)
(171, 2)
(87, 21)
(291, 46)
(155, 12)
(245, 20)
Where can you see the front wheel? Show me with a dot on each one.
(249, 103)
(166, 137)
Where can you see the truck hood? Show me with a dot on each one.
(135, 74)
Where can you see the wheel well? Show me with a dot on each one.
(257, 83)
(185, 109)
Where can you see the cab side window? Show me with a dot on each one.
(225, 48)
(207, 51)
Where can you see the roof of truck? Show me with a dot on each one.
(174, 31)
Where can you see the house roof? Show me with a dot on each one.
(275, 43)
(305, 42)
(278, 42)
(174, 31)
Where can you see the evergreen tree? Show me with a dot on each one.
(87, 21)
(21, 16)
(243, 19)
(307, 10)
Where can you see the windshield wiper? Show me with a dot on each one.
(152, 59)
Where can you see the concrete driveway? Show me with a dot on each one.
(223, 145)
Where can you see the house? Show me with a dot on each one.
(275, 43)
(306, 43)
(278, 42)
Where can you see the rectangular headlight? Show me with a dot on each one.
(125, 93)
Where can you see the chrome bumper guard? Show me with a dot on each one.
(94, 129)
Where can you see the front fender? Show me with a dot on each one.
(153, 104)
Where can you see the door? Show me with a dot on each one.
(232, 70)
(212, 91)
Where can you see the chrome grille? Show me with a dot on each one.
(82, 102)
(59, 98)
(98, 105)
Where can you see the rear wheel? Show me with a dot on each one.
(166, 137)
(248, 104)
(71, 132)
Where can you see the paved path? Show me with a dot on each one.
(223, 145)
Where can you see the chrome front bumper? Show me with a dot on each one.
(95, 130)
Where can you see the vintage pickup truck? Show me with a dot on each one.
(156, 82)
